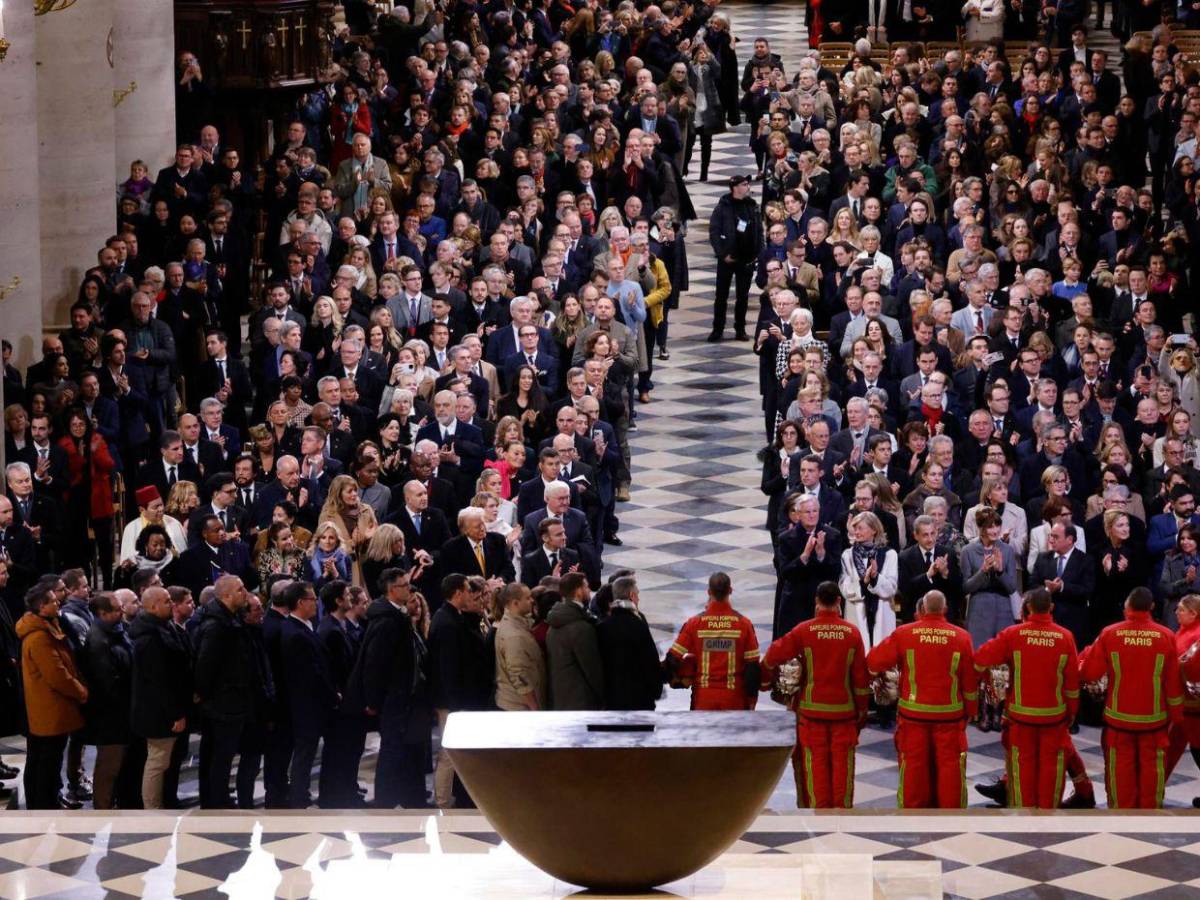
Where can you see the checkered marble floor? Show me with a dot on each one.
(369, 855)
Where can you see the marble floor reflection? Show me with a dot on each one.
(370, 855)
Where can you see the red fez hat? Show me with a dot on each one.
(147, 495)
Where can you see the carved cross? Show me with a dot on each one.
(245, 31)
(299, 26)
(282, 30)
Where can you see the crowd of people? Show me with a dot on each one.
(335, 430)
(978, 369)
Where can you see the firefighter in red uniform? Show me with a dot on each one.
(1144, 696)
(1043, 697)
(1187, 639)
(937, 698)
(830, 704)
(720, 646)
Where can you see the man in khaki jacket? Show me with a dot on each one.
(520, 663)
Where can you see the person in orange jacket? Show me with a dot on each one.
(831, 702)
(938, 695)
(1043, 698)
(719, 645)
(1144, 697)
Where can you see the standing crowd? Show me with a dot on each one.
(337, 436)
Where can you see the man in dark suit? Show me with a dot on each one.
(552, 557)
(575, 524)
(152, 348)
(169, 467)
(103, 413)
(389, 244)
(370, 386)
(16, 543)
(1070, 577)
(528, 354)
(182, 187)
(810, 479)
(215, 555)
(225, 438)
(476, 552)
(1054, 451)
(312, 694)
(287, 486)
(460, 443)
(224, 377)
(477, 386)
(924, 567)
(38, 513)
(207, 455)
(851, 442)
(425, 534)
(808, 553)
(442, 489)
(532, 494)
(47, 461)
(222, 488)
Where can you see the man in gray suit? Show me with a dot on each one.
(976, 316)
(872, 308)
(360, 173)
(412, 307)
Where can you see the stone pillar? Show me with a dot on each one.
(143, 55)
(21, 310)
(75, 148)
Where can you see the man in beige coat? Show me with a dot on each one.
(520, 663)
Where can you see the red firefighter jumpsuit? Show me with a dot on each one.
(937, 697)
(1145, 694)
(1043, 697)
(830, 704)
(723, 644)
(1187, 734)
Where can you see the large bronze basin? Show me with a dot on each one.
(620, 801)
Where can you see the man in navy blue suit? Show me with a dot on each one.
(529, 354)
(312, 695)
(215, 431)
(503, 342)
(215, 555)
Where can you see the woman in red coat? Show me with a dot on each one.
(349, 116)
(90, 498)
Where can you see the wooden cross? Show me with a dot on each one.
(282, 30)
(245, 31)
(299, 26)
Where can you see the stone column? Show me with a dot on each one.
(21, 310)
(75, 148)
(143, 55)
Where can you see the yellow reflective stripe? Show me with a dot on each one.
(750, 654)
(954, 660)
(1160, 775)
(910, 659)
(1058, 780)
(1040, 711)
(1110, 776)
(1174, 701)
(679, 648)
(826, 707)
(809, 677)
(808, 778)
(900, 787)
(1158, 667)
(848, 796)
(930, 708)
(1016, 680)
(1058, 683)
(1015, 799)
(717, 632)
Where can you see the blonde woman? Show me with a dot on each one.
(844, 228)
(354, 521)
(182, 500)
(869, 579)
(361, 260)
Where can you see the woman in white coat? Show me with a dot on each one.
(984, 19)
(869, 578)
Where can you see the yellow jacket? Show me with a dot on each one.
(658, 296)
